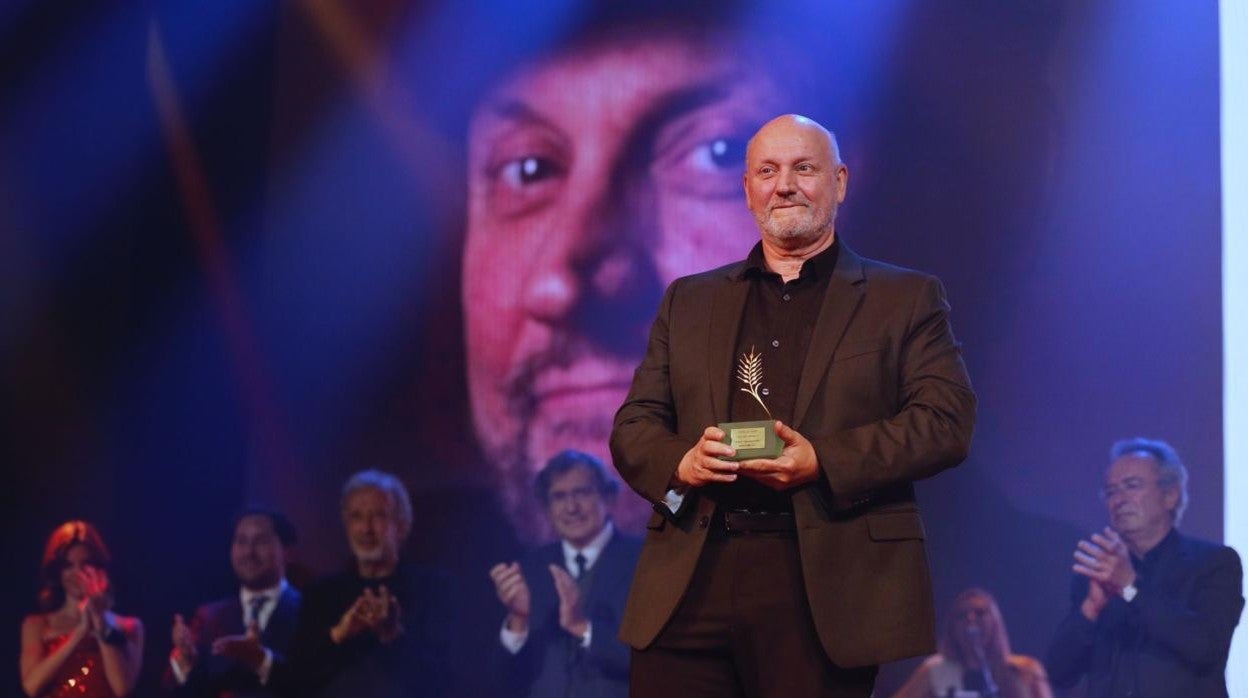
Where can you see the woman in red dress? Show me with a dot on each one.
(78, 646)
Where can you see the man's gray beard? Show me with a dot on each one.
(793, 233)
(376, 554)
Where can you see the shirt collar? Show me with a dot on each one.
(1170, 541)
(820, 266)
(245, 595)
(590, 551)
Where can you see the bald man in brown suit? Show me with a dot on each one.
(796, 575)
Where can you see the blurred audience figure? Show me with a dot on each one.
(974, 659)
(382, 627)
(76, 645)
(231, 645)
(564, 601)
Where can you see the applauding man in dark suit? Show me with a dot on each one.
(564, 602)
(231, 645)
(1152, 610)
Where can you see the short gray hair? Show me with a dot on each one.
(387, 484)
(1172, 471)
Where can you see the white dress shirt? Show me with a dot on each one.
(245, 597)
(514, 641)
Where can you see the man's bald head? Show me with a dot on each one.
(794, 182)
(790, 123)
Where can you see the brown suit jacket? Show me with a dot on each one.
(884, 398)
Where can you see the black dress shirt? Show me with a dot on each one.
(414, 664)
(777, 323)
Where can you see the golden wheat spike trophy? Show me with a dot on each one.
(755, 439)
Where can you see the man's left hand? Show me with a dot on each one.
(1105, 560)
(796, 465)
(384, 617)
(244, 649)
(571, 617)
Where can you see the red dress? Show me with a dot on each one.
(82, 674)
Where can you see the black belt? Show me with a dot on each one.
(755, 521)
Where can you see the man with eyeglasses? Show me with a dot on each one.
(1153, 610)
(565, 600)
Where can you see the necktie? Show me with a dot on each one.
(579, 561)
(255, 607)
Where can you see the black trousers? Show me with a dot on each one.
(744, 629)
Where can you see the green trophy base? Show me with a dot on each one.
(752, 439)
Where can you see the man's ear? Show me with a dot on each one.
(1170, 495)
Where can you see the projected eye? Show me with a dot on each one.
(706, 165)
(524, 183)
(527, 170)
(717, 156)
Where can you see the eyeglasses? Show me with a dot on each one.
(1131, 485)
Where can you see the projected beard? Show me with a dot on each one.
(596, 177)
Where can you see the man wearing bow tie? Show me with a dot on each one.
(231, 645)
(565, 600)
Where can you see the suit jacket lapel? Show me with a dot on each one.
(283, 614)
(840, 302)
(728, 306)
(605, 569)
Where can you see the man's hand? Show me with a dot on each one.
(701, 464)
(1106, 562)
(383, 617)
(352, 623)
(571, 617)
(513, 592)
(1105, 559)
(244, 649)
(1095, 602)
(184, 652)
(796, 465)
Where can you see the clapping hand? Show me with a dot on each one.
(1106, 562)
(377, 612)
(244, 649)
(571, 616)
(184, 652)
(513, 592)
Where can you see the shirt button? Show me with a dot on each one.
(766, 391)
(788, 297)
(704, 521)
(775, 342)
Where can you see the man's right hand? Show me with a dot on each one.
(513, 592)
(1095, 602)
(353, 622)
(183, 645)
(701, 464)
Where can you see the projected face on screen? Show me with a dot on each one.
(596, 177)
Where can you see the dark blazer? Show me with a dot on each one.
(217, 676)
(885, 400)
(416, 663)
(552, 662)
(1172, 639)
